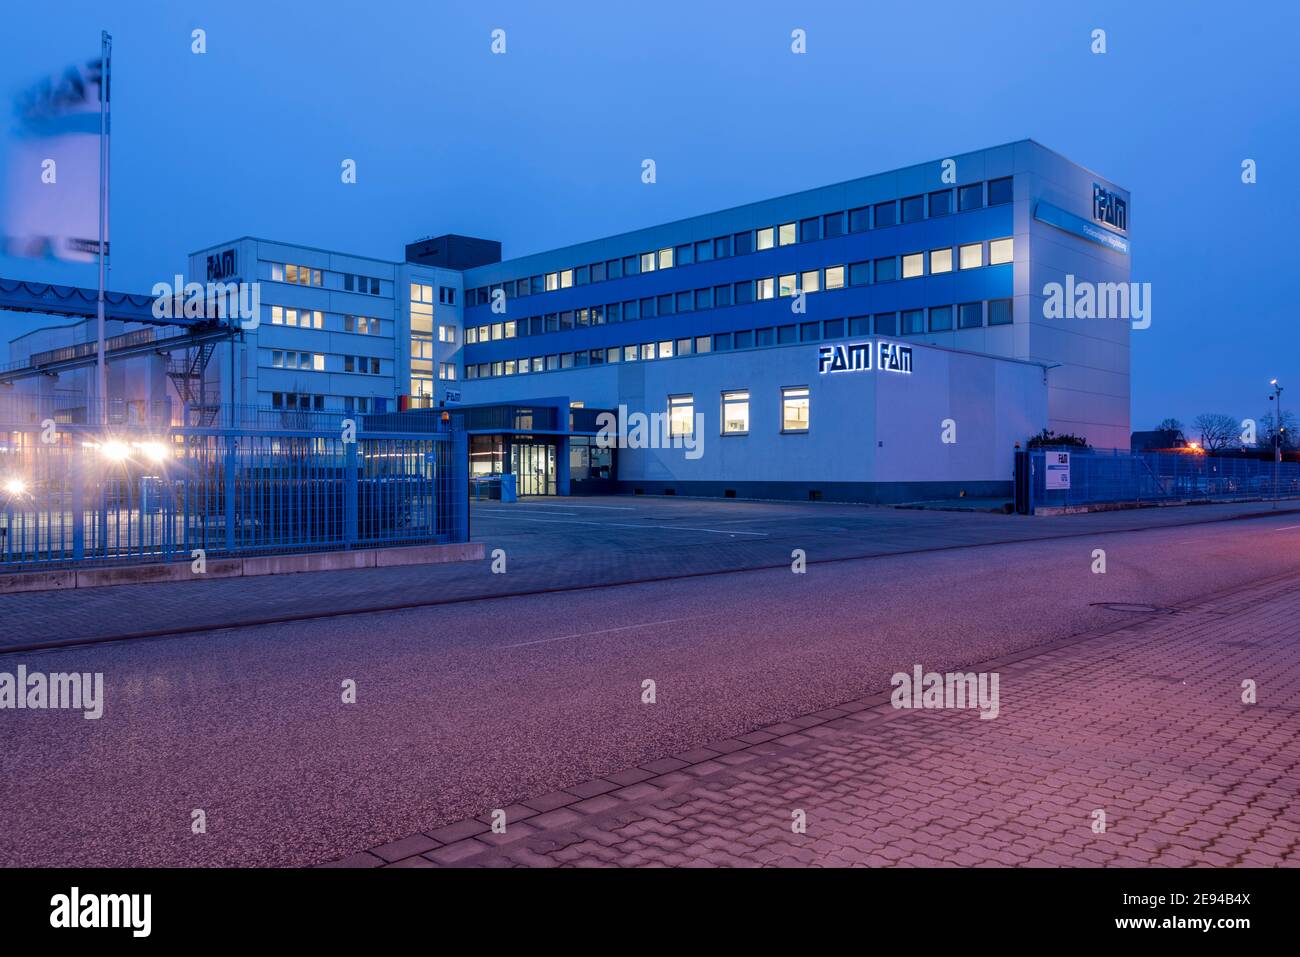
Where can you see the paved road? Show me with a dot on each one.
(568, 543)
(1131, 748)
(478, 705)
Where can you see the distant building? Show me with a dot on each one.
(1157, 440)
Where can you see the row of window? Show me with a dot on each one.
(795, 401)
(947, 318)
(352, 282)
(880, 215)
(315, 362)
(316, 403)
(315, 319)
(913, 265)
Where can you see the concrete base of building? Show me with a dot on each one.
(1123, 506)
(240, 567)
(866, 493)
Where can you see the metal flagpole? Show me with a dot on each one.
(105, 66)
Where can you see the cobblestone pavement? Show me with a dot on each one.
(1145, 722)
(570, 543)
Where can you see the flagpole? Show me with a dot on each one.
(105, 66)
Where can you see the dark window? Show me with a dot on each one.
(704, 251)
(860, 219)
(552, 322)
(785, 335)
(631, 310)
(684, 255)
(834, 328)
(940, 318)
(522, 288)
(970, 315)
(887, 324)
(538, 325)
(597, 272)
(744, 292)
(538, 284)
(743, 243)
(810, 331)
(665, 304)
(833, 225)
(374, 291)
(860, 326)
(614, 312)
(940, 203)
(886, 214)
(566, 320)
(913, 321)
(703, 298)
(349, 282)
(1000, 312)
(970, 197)
(810, 230)
(631, 265)
(886, 269)
(722, 295)
(764, 337)
(859, 274)
(745, 340)
(722, 342)
(999, 191)
(722, 247)
(913, 208)
(647, 308)
(685, 302)
(581, 276)
(614, 269)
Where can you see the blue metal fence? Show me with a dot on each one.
(74, 494)
(1114, 476)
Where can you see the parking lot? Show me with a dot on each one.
(543, 545)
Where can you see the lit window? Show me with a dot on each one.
(666, 350)
(787, 234)
(647, 350)
(510, 367)
(566, 279)
(666, 258)
(765, 288)
(1001, 251)
(971, 256)
(446, 333)
(786, 285)
(510, 330)
(810, 281)
(913, 265)
(766, 238)
(681, 415)
(552, 281)
(834, 277)
(794, 409)
(318, 362)
(471, 335)
(735, 413)
(647, 262)
(277, 315)
(940, 260)
(629, 354)
(277, 272)
(498, 330)
(277, 360)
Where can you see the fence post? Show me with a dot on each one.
(230, 450)
(77, 478)
(350, 490)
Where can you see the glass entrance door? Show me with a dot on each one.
(534, 468)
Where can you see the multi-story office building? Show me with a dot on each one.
(879, 339)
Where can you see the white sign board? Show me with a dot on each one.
(1058, 470)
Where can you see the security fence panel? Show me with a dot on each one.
(83, 494)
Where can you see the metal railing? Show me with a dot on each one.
(1118, 476)
(137, 495)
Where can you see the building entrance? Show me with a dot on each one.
(534, 468)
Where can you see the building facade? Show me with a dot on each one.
(885, 338)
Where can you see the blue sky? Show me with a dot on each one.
(542, 147)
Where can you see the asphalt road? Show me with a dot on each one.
(465, 707)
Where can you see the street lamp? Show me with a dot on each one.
(1278, 429)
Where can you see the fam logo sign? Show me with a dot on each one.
(222, 265)
(856, 357)
(1109, 209)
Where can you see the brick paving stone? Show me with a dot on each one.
(1144, 722)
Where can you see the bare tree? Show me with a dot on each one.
(1217, 431)
(1170, 425)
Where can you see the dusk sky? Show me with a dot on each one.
(542, 147)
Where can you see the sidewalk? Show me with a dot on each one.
(1145, 723)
